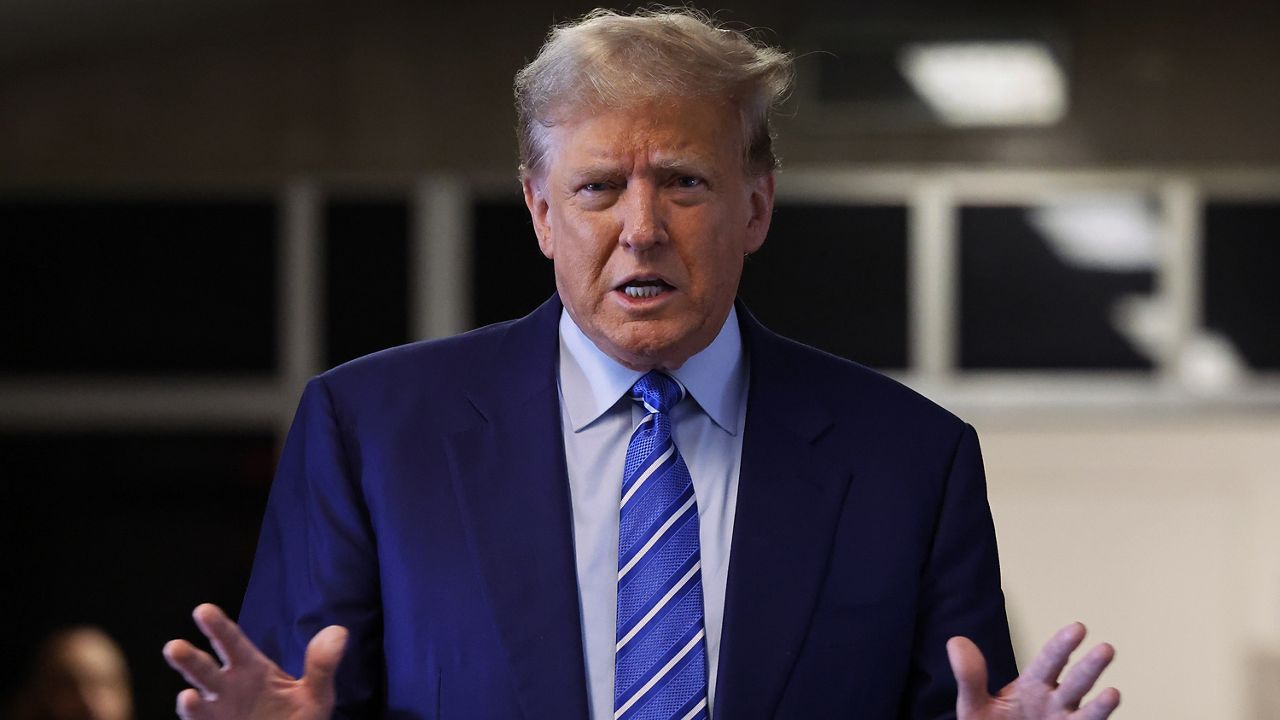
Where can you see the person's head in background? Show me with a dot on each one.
(79, 674)
(647, 159)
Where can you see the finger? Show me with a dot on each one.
(195, 665)
(231, 645)
(1049, 662)
(1080, 678)
(191, 706)
(1100, 707)
(970, 669)
(324, 652)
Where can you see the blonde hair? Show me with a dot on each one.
(608, 59)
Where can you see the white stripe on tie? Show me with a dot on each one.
(658, 608)
(696, 709)
(654, 538)
(660, 674)
(640, 480)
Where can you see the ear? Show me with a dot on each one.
(535, 198)
(761, 205)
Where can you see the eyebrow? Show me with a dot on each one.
(605, 169)
(697, 164)
(597, 170)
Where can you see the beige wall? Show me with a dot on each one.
(1162, 535)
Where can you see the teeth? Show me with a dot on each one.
(642, 291)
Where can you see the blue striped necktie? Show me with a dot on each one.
(660, 668)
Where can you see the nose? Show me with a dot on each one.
(643, 225)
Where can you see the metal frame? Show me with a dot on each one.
(440, 271)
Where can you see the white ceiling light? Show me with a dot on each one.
(1113, 233)
(987, 83)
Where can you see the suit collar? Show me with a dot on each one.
(778, 379)
(509, 476)
(523, 365)
(791, 491)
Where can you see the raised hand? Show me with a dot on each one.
(247, 685)
(1037, 694)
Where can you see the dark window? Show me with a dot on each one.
(835, 277)
(1034, 294)
(510, 275)
(366, 278)
(128, 532)
(1241, 280)
(137, 286)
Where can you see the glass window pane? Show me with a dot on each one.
(128, 532)
(511, 276)
(367, 277)
(137, 286)
(1046, 287)
(1241, 292)
(835, 277)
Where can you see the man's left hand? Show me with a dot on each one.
(1037, 694)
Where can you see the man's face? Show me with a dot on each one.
(86, 678)
(647, 214)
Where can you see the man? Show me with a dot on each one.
(636, 502)
(79, 673)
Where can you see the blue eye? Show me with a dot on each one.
(689, 181)
(595, 187)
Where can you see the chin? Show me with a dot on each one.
(647, 352)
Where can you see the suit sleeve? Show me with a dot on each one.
(316, 563)
(960, 592)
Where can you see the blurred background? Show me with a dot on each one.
(1059, 219)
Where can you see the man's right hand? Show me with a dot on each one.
(247, 685)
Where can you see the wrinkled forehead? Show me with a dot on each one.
(666, 131)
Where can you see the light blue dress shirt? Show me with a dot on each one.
(597, 419)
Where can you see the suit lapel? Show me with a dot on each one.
(790, 496)
(513, 492)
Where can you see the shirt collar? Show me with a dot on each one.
(591, 382)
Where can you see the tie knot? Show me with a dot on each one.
(658, 391)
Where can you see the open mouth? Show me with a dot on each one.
(640, 289)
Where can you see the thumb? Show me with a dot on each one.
(970, 669)
(323, 654)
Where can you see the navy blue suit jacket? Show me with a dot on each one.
(422, 501)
